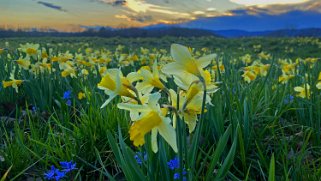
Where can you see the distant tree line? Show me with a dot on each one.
(105, 32)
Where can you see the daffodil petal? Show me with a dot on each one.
(134, 76)
(168, 133)
(153, 100)
(133, 107)
(111, 97)
(180, 53)
(206, 60)
(190, 121)
(172, 68)
(318, 85)
(299, 89)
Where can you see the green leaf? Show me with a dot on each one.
(272, 169)
(3, 178)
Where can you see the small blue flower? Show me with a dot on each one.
(67, 95)
(288, 99)
(68, 102)
(51, 173)
(177, 175)
(34, 109)
(68, 166)
(173, 164)
(138, 157)
(59, 175)
(54, 174)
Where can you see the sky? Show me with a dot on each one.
(74, 15)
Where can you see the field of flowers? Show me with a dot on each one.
(169, 109)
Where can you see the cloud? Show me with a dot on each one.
(52, 6)
(141, 6)
(211, 9)
(310, 6)
(137, 18)
(115, 2)
(266, 2)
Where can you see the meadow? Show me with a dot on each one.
(160, 109)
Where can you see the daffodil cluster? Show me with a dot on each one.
(153, 103)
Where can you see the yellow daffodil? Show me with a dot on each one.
(12, 83)
(23, 63)
(185, 63)
(246, 59)
(220, 66)
(149, 79)
(249, 76)
(30, 49)
(303, 91)
(264, 56)
(114, 83)
(318, 85)
(152, 120)
(69, 72)
(189, 112)
(185, 81)
(285, 78)
(264, 69)
(288, 68)
(102, 70)
(84, 72)
(81, 95)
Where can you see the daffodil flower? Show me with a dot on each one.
(185, 63)
(114, 83)
(149, 79)
(288, 68)
(30, 49)
(185, 81)
(188, 112)
(151, 119)
(303, 91)
(318, 85)
(249, 76)
(12, 83)
(81, 95)
(23, 63)
(285, 78)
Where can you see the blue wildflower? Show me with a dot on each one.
(68, 166)
(173, 164)
(177, 175)
(54, 174)
(68, 102)
(288, 99)
(51, 173)
(34, 108)
(139, 156)
(59, 175)
(67, 95)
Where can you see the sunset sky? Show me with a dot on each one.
(71, 15)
